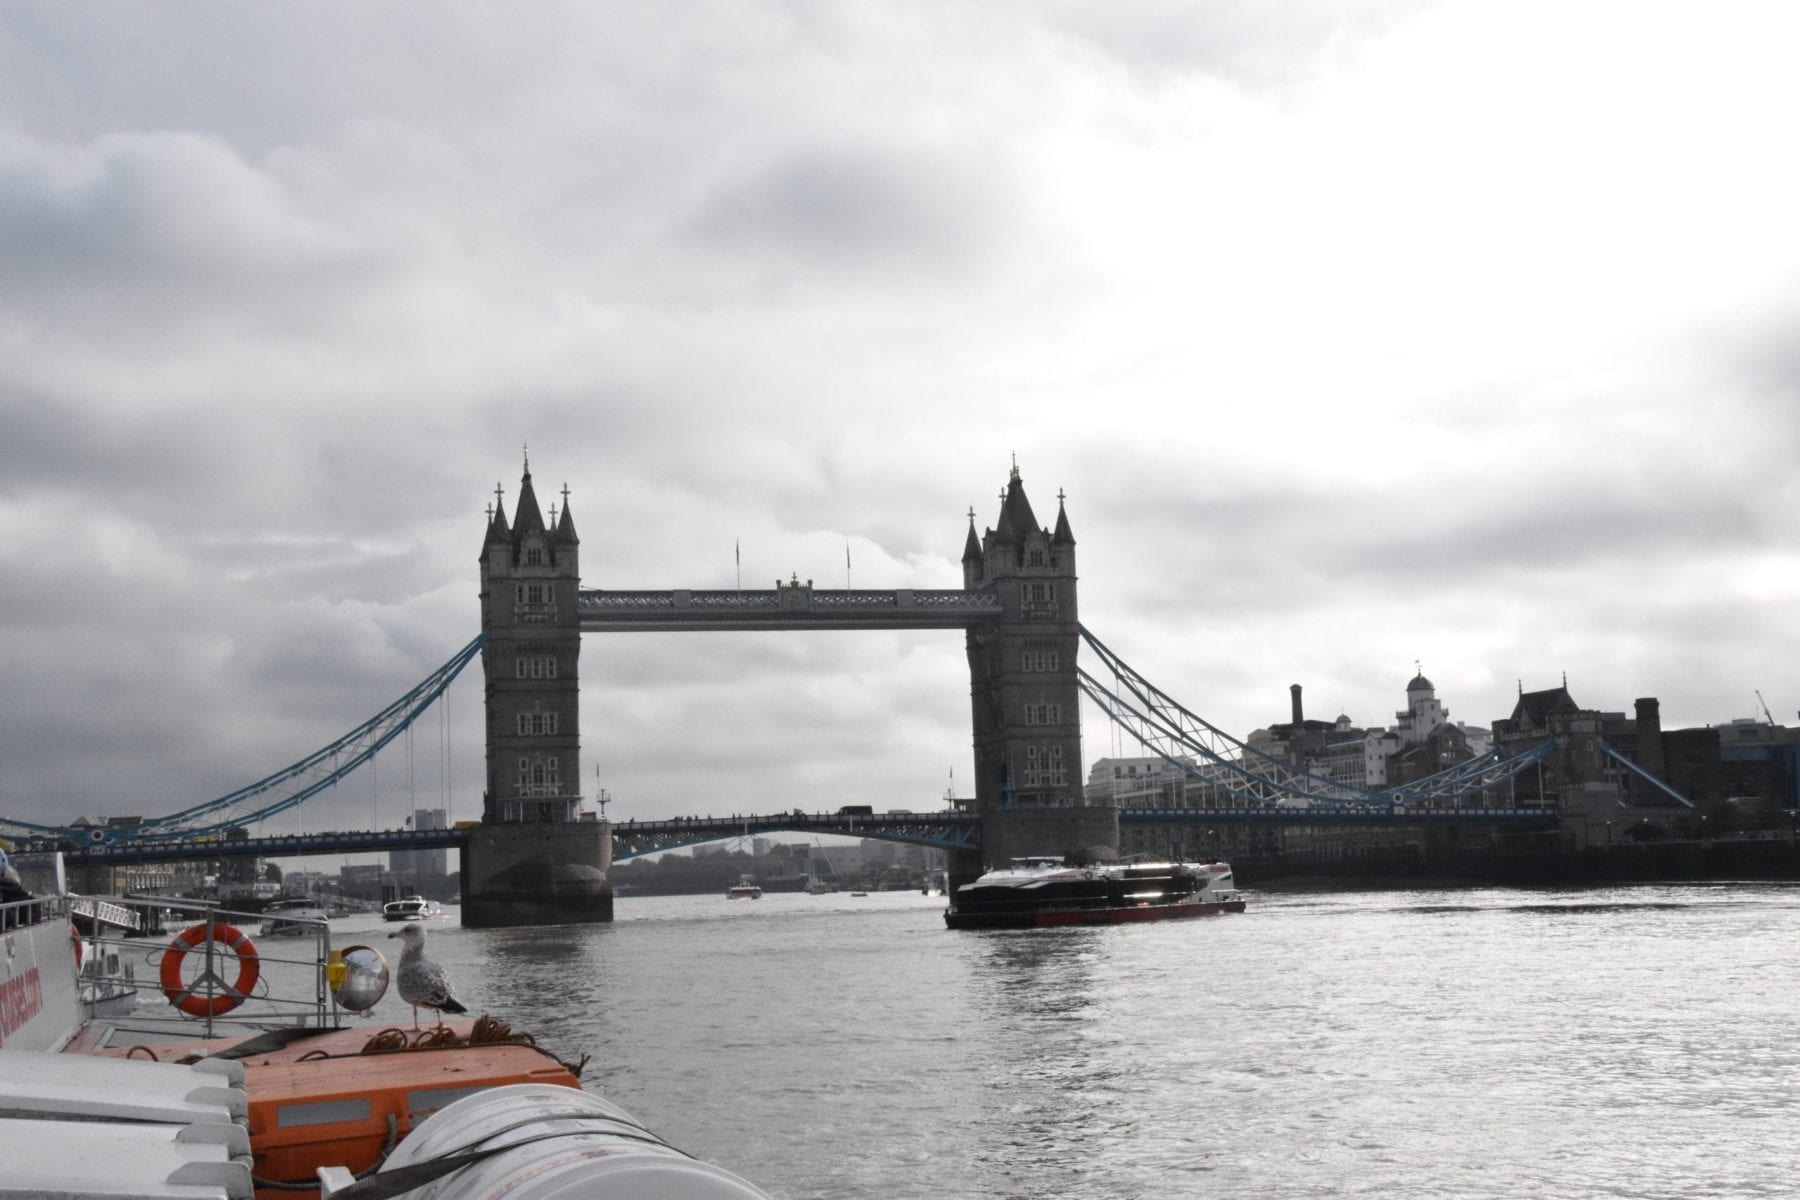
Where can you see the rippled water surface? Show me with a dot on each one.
(1632, 1042)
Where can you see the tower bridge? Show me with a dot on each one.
(1019, 615)
(1016, 609)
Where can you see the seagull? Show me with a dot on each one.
(423, 983)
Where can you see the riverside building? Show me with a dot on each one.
(1421, 742)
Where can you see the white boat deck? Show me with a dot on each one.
(120, 1089)
(82, 1127)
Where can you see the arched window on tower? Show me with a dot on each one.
(534, 555)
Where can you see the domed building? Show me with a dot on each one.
(1422, 714)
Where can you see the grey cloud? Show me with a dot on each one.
(855, 210)
(1759, 397)
(217, 477)
(1255, 45)
(170, 214)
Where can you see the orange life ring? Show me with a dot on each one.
(227, 997)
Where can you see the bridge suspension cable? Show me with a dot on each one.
(1646, 776)
(294, 784)
(318, 770)
(1225, 764)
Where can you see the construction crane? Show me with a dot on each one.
(1767, 715)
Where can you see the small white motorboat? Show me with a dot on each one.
(411, 908)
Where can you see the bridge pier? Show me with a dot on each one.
(545, 873)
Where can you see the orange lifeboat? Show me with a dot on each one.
(351, 1111)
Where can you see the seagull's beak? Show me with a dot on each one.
(396, 933)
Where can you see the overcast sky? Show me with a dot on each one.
(1357, 334)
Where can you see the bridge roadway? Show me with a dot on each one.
(948, 829)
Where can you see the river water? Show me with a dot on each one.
(1635, 1042)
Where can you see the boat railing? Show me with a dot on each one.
(198, 968)
(103, 910)
(16, 914)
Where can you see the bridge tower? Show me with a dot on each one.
(533, 861)
(1023, 690)
(530, 574)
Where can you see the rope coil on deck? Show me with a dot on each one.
(487, 1031)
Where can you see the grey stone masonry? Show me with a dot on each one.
(526, 874)
(1025, 697)
(530, 582)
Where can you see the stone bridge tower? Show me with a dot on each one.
(534, 861)
(1023, 690)
(529, 578)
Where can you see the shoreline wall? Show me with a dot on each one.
(1747, 859)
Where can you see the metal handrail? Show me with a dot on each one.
(290, 987)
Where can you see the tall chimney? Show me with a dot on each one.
(1294, 691)
(1649, 737)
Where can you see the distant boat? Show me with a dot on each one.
(743, 889)
(295, 916)
(411, 908)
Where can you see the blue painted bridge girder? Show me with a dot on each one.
(1528, 818)
(795, 606)
(123, 851)
(945, 829)
(951, 829)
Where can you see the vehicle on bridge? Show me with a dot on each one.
(1050, 891)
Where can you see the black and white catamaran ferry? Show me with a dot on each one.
(1051, 891)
